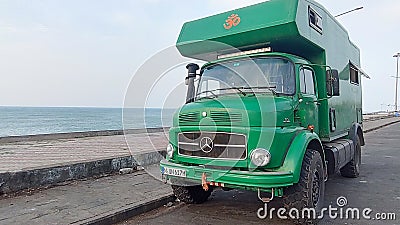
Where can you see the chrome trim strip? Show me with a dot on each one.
(198, 157)
(187, 143)
(233, 146)
(216, 145)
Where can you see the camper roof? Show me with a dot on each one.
(299, 27)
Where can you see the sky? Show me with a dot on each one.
(85, 53)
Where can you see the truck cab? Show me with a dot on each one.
(276, 108)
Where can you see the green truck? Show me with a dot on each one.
(276, 108)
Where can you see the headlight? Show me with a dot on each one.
(170, 150)
(260, 157)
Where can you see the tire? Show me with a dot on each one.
(310, 190)
(191, 194)
(352, 168)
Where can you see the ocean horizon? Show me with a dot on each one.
(20, 120)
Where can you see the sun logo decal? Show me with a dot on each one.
(232, 21)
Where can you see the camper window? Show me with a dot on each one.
(354, 75)
(315, 20)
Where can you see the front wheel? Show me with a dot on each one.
(309, 192)
(191, 194)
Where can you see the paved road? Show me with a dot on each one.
(378, 188)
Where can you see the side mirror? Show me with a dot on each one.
(332, 83)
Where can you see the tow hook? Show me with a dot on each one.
(164, 178)
(265, 199)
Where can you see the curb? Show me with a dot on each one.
(127, 212)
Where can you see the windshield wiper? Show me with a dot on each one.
(234, 88)
(204, 92)
(221, 89)
(270, 88)
(239, 89)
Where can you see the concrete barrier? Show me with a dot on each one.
(11, 182)
(368, 118)
(58, 136)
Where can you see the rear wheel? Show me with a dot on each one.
(309, 192)
(352, 169)
(191, 194)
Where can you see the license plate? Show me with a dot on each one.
(173, 172)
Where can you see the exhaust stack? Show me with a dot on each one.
(192, 69)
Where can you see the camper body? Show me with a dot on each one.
(277, 106)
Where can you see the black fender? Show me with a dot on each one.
(356, 130)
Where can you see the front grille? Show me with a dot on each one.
(219, 117)
(212, 145)
(192, 117)
(225, 117)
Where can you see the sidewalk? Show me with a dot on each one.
(376, 124)
(98, 201)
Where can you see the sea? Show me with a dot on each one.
(19, 121)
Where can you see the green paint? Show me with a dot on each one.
(274, 122)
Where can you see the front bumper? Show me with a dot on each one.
(232, 178)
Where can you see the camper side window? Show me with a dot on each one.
(315, 20)
(354, 75)
(307, 85)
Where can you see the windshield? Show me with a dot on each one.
(257, 75)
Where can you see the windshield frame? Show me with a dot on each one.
(244, 58)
